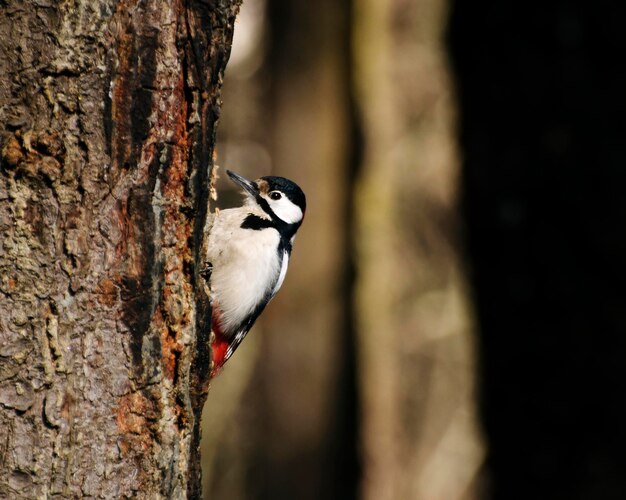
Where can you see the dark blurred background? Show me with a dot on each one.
(542, 115)
(453, 324)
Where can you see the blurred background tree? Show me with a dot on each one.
(359, 379)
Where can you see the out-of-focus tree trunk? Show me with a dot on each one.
(306, 331)
(107, 120)
(416, 356)
(290, 118)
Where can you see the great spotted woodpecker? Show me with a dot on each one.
(248, 253)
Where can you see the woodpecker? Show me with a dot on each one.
(248, 253)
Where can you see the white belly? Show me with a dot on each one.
(246, 267)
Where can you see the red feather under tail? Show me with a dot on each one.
(220, 344)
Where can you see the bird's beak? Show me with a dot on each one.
(249, 186)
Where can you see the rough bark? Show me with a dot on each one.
(107, 120)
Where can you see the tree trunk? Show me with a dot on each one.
(420, 437)
(107, 120)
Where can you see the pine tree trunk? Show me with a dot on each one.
(107, 127)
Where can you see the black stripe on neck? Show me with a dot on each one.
(256, 223)
(286, 231)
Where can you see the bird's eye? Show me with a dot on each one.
(275, 195)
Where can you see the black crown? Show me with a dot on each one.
(288, 188)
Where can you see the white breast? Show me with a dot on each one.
(246, 266)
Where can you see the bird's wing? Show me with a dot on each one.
(242, 332)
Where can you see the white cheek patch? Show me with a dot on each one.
(285, 210)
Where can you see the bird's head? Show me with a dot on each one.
(282, 199)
